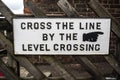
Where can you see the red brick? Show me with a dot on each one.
(115, 6)
(117, 10)
(37, 0)
(116, 1)
(110, 1)
(100, 1)
(84, 1)
(106, 5)
(112, 51)
(81, 5)
(111, 10)
(104, 1)
(82, 14)
(118, 19)
(26, 11)
(76, 1)
(116, 14)
(70, 1)
(91, 14)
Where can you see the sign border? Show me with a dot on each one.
(62, 53)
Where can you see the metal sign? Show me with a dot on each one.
(61, 36)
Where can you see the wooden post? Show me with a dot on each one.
(88, 65)
(5, 25)
(9, 47)
(31, 68)
(23, 60)
(70, 11)
(18, 69)
(7, 72)
(11, 62)
(67, 8)
(102, 12)
(112, 61)
(118, 50)
(34, 9)
(6, 12)
(57, 65)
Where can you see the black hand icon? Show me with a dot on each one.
(92, 36)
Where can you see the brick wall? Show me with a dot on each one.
(113, 6)
(50, 7)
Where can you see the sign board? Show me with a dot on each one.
(61, 36)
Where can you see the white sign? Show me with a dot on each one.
(61, 36)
